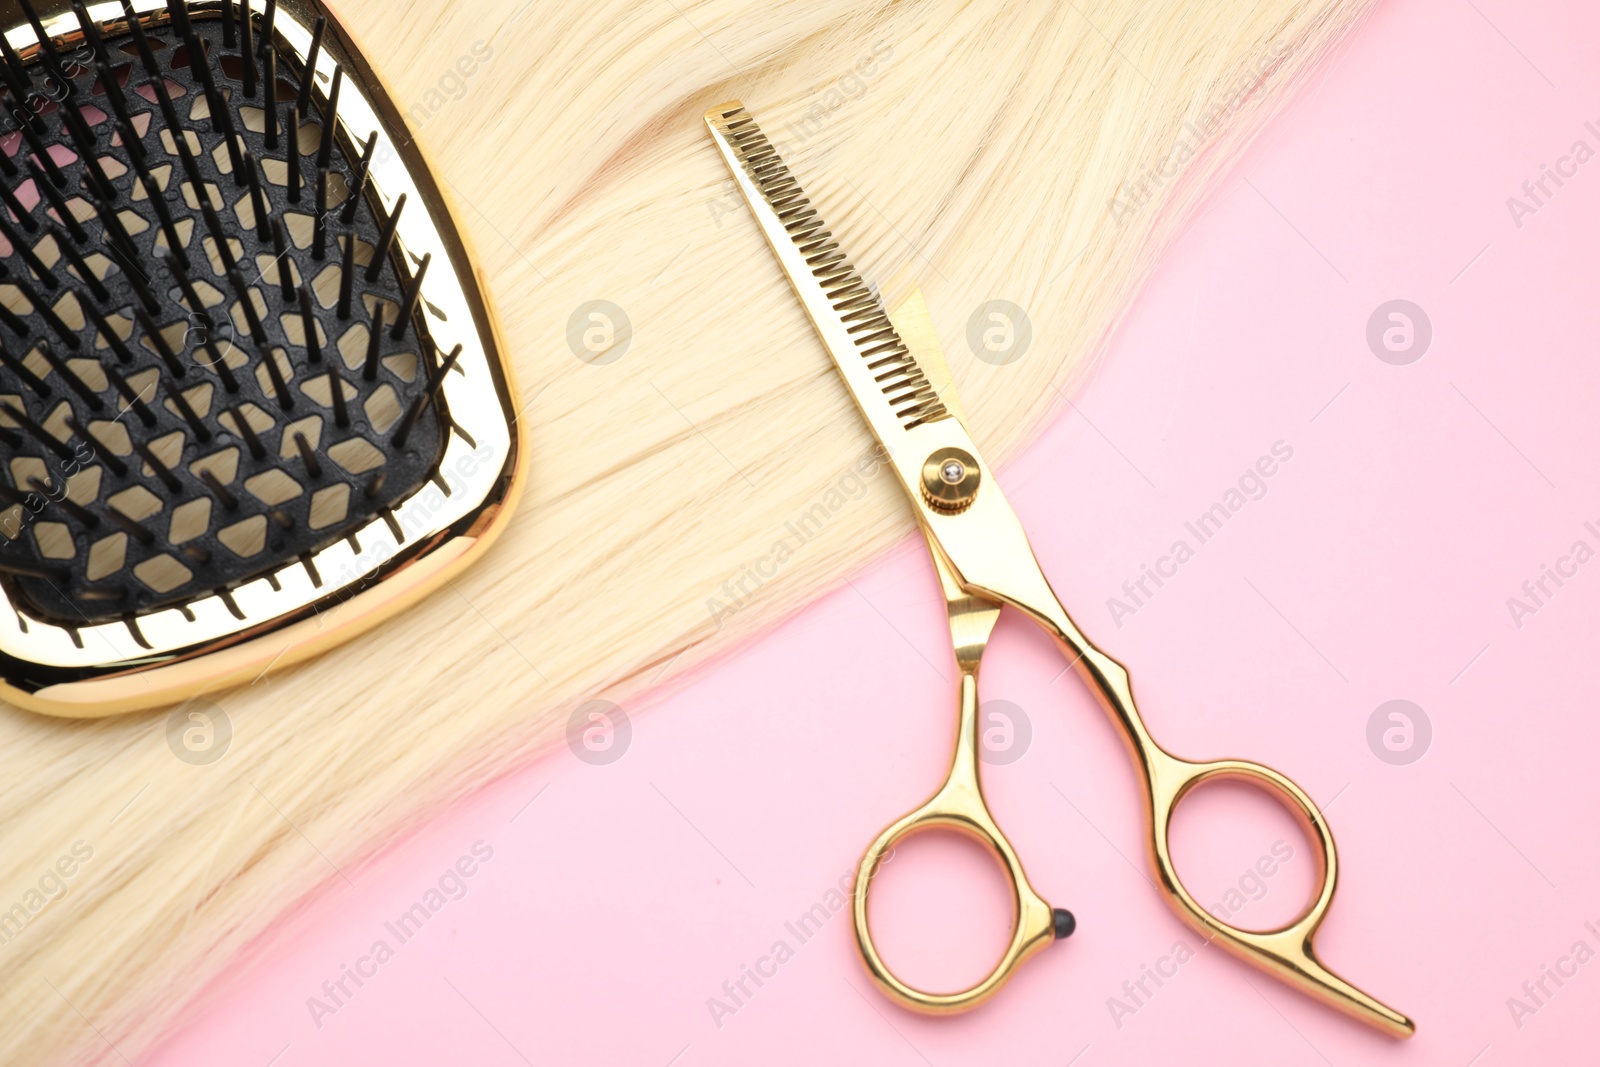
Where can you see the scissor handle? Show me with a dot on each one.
(959, 806)
(1287, 952)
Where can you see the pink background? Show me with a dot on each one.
(1377, 567)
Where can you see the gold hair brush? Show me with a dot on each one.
(251, 397)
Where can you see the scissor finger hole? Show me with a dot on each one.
(1243, 855)
(941, 911)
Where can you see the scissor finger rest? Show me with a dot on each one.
(1287, 951)
(959, 806)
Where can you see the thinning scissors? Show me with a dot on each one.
(894, 368)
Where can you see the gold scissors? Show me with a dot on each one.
(893, 366)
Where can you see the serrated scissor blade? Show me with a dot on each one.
(890, 388)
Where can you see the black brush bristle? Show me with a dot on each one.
(51, 56)
(91, 33)
(308, 76)
(296, 170)
(185, 386)
(270, 116)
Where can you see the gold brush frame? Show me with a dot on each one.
(43, 669)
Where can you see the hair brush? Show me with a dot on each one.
(251, 397)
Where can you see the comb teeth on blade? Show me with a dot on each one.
(213, 364)
(890, 361)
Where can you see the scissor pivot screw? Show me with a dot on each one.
(950, 479)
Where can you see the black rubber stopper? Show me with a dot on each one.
(1065, 923)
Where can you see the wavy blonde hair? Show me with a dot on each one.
(1040, 154)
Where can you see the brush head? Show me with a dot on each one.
(220, 354)
(272, 430)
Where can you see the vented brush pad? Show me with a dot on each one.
(130, 483)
